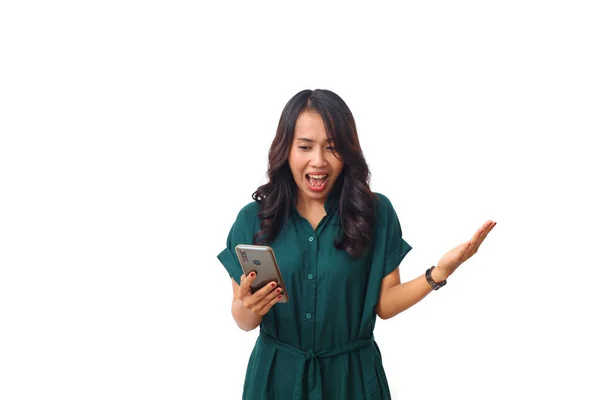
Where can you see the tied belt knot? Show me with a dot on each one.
(312, 359)
(309, 355)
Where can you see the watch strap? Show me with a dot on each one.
(434, 285)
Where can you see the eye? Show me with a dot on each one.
(303, 147)
(331, 148)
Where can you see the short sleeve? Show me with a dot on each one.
(391, 248)
(241, 232)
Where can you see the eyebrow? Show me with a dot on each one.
(310, 140)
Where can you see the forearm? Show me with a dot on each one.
(402, 296)
(245, 319)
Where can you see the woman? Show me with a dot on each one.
(338, 246)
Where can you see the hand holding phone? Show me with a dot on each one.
(261, 301)
(260, 260)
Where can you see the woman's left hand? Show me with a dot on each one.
(461, 253)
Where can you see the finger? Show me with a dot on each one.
(270, 304)
(245, 284)
(470, 253)
(487, 227)
(480, 236)
(267, 298)
(465, 251)
(466, 247)
(486, 230)
(265, 290)
(476, 236)
(252, 301)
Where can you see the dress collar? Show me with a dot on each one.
(331, 204)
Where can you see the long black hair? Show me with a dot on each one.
(356, 201)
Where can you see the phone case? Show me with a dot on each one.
(261, 259)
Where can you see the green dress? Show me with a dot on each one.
(319, 345)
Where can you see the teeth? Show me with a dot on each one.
(317, 176)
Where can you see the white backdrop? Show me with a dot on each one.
(133, 132)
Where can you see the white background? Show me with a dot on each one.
(133, 132)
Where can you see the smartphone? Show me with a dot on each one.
(261, 259)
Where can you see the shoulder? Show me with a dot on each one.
(382, 203)
(385, 213)
(248, 212)
(251, 209)
(381, 197)
(246, 222)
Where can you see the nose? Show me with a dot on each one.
(318, 159)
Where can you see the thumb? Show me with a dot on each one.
(467, 246)
(465, 251)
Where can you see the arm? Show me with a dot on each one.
(246, 319)
(248, 308)
(396, 297)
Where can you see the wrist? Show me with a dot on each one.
(438, 275)
(245, 318)
(238, 305)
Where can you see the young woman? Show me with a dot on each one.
(338, 246)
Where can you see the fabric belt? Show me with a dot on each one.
(312, 358)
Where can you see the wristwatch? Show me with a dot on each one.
(434, 285)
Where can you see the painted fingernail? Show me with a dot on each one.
(280, 296)
(278, 290)
(251, 274)
(273, 284)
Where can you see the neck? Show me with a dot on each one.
(310, 205)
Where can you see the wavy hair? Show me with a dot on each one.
(356, 201)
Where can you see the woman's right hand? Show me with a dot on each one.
(260, 302)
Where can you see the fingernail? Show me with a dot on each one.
(278, 290)
(273, 284)
(251, 274)
(280, 296)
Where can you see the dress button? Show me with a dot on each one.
(308, 316)
(310, 276)
(310, 239)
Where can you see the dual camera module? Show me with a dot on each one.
(245, 258)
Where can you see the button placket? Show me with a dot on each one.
(311, 284)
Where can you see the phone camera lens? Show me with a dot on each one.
(257, 262)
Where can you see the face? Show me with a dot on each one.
(312, 158)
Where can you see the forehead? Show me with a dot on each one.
(309, 125)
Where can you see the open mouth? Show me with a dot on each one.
(317, 181)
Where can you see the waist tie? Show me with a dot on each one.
(312, 358)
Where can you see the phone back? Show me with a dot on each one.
(261, 259)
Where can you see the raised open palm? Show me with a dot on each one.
(461, 253)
